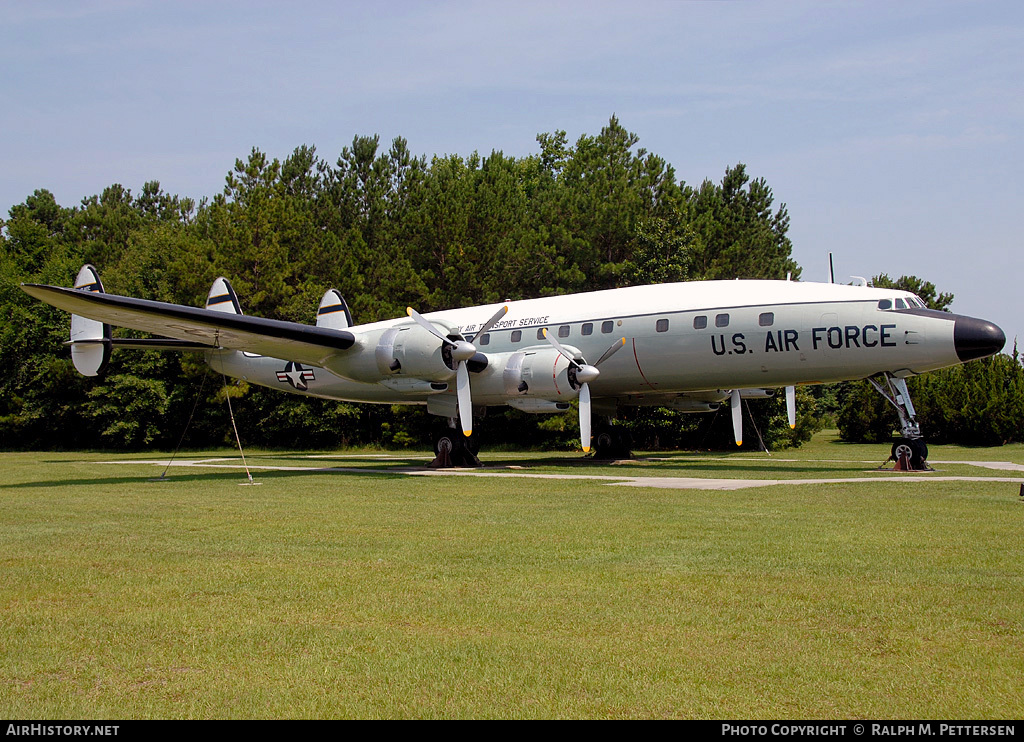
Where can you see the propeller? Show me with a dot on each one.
(791, 405)
(581, 374)
(737, 416)
(461, 352)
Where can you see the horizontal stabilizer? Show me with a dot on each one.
(146, 344)
(277, 338)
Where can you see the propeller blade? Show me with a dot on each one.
(585, 417)
(492, 321)
(791, 405)
(611, 351)
(558, 346)
(428, 326)
(737, 416)
(465, 401)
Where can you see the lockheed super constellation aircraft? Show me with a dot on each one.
(689, 346)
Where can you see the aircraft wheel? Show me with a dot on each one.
(915, 450)
(603, 445)
(445, 443)
(612, 443)
(452, 448)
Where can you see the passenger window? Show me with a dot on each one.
(540, 333)
(700, 322)
(766, 319)
(517, 335)
(721, 320)
(885, 304)
(607, 326)
(485, 339)
(662, 325)
(563, 331)
(588, 328)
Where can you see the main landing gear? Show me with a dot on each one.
(911, 452)
(612, 443)
(452, 449)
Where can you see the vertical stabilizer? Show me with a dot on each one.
(333, 312)
(222, 297)
(90, 339)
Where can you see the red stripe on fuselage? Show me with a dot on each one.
(635, 358)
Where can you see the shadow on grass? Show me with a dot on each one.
(199, 474)
(229, 468)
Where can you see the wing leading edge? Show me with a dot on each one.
(270, 337)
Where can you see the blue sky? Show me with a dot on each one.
(892, 130)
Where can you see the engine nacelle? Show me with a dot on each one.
(538, 373)
(409, 350)
(405, 350)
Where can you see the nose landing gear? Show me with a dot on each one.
(911, 452)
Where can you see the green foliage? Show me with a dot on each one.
(865, 416)
(765, 425)
(127, 409)
(980, 403)
(739, 234)
(389, 230)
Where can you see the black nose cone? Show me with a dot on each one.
(976, 338)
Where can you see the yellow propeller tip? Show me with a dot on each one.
(586, 449)
(739, 443)
(792, 427)
(467, 433)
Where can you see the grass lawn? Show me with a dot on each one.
(371, 593)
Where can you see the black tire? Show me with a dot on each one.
(920, 453)
(603, 445)
(613, 443)
(916, 451)
(446, 441)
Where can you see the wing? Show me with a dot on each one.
(269, 337)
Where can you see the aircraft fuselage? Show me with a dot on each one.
(680, 339)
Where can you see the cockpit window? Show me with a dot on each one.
(905, 302)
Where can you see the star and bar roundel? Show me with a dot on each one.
(296, 375)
